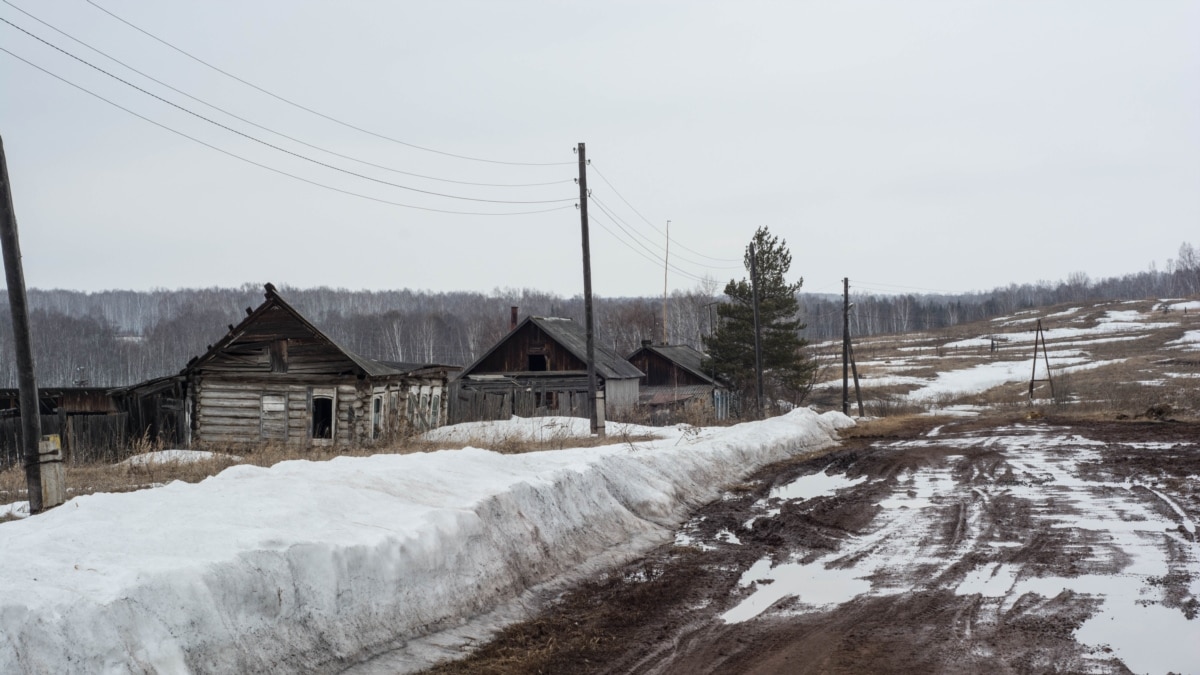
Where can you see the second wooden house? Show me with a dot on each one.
(540, 368)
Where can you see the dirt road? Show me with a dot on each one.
(972, 546)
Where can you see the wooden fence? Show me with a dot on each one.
(85, 438)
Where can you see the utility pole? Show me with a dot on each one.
(1040, 336)
(846, 346)
(666, 257)
(757, 329)
(595, 397)
(45, 488)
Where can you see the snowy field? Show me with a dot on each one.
(1071, 342)
(318, 566)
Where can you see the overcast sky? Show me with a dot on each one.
(926, 146)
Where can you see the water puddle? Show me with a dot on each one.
(814, 485)
(812, 584)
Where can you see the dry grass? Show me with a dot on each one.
(124, 477)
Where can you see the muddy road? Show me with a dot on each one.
(972, 546)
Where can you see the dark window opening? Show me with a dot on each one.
(546, 399)
(322, 417)
(538, 363)
(377, 417)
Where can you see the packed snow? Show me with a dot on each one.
(317, 566)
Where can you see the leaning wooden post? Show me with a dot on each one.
(41, 495)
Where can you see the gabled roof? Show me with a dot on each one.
(571, 337)
(370, 367)
(684, 356)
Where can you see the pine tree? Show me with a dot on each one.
(787, 372)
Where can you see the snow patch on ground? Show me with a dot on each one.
(176, 457)
(315, 566)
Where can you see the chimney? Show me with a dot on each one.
(647, 343)
(512, 322)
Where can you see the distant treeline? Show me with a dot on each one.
(115, 338)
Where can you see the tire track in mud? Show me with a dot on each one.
(1010, 548)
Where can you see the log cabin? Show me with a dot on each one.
(276, 377)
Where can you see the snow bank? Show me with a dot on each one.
(314, 566)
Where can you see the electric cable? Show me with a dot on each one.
(591, 218)
(647, 221)
(272, 145)
(315, 112)
(268, 129)
(657, 258)
(611, 214)
(270, 168)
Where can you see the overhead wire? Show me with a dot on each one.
(310, 110)
(592, 218)
(647, 220)
(272, 145)
(271, 168)
(268, 129)
(653, 256)
(611, 214)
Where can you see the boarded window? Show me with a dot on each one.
(273, 417)
(279, 356)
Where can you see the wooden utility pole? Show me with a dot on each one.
(595, 397)
(757, 328)
(846, 346)
(41, 495)
(1040, 337)
(666, 257)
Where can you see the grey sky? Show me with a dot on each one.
(927, 145)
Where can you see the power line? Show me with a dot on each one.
(272, 145)
(654, 257)
(647, 221)
(315, 112)
(608, 210)
(270, 168)
(268, 129)
(592, 218)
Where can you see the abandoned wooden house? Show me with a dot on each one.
(540, 368)
(676, 381)
(277, 377)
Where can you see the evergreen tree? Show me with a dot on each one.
(787, 372)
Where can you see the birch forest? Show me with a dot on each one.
(117, 338)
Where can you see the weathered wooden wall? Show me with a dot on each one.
(512, 356)
(662, 372)
(85, 438)
(230, 410)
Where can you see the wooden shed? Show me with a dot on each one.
(540, 368)
(675, 379)
(277, 377)
(87, 420)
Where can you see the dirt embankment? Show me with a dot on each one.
(975, 546)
